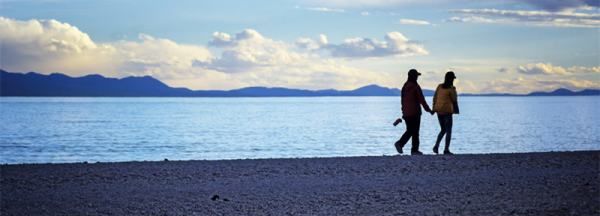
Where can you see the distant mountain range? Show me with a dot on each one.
(557, 92)
(56, 84)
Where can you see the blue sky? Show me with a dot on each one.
(493, 46)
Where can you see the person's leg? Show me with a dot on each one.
(448, 127)
(415, 134)
(407, 134)
(441, 134)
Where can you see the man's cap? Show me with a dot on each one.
(413, 72)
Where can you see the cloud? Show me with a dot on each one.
(535, 18)
(220, 39)
(394, 44)
(244, 59)
(248, 50)
(413, 22)
(40, 44)
(324, 9)
(541, 68)
(385, 4)
(364, 13)
(559, 5)
(526, 85)
(310, 44)
(161, 58)
(260, 60)
(581, 69)
(547, 5)
(549, 69)
(50, 45)
(471, 19)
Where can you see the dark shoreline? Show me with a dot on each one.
(551, 183)
(283, 158)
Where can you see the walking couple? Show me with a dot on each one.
(445, 104)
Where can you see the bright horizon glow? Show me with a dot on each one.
(496, 46)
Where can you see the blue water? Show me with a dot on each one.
(40, 130)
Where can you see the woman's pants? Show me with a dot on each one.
(446, 126)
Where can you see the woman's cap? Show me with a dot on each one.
(450, 74)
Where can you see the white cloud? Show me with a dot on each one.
(558, 5)
(161, 58)
(249, 50)
(258, 60)
(245, 59)
(45, 44)
(364, 13)
(368, 3)
(548, 5)
(581, 69)
(471, 19)
(220, 39)
(52, 46)
(310, 44)
(394, 44)
(541, 68)
(328, 10)
(549, 69)
(536, 18)
(526, 85)
(322, 9)
(413, 22)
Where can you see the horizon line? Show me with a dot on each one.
(290, 88)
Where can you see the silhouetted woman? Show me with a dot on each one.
(445, 104)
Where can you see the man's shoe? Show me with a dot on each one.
(398, 147)
(435, 149)
(416, 153)
(447, 152)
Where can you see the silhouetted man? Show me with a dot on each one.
(412, 99)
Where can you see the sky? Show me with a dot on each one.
(492, 45)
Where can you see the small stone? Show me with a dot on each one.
(215, 197)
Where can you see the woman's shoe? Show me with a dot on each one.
(435, 149)
(447, 152)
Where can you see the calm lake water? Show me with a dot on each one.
(40, 130)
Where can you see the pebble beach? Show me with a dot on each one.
(554, 183)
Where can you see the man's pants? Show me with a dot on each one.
(413, 124)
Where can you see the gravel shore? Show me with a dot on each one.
(557, 183)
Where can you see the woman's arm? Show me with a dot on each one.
(435, 96)
(454, 96)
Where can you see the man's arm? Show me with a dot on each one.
(421, 99)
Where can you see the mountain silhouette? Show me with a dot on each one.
(567, 92)
(56, 84)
